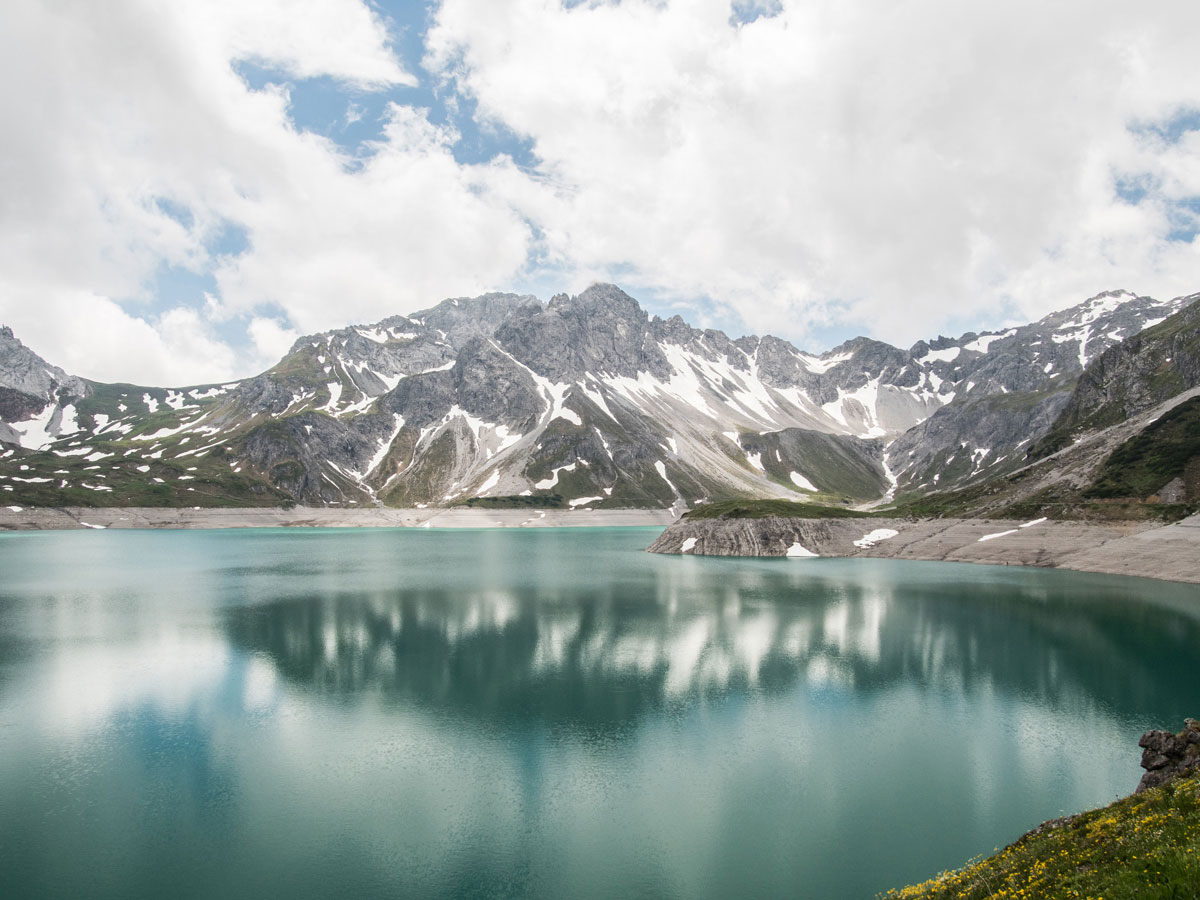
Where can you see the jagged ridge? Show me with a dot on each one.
(587, 397)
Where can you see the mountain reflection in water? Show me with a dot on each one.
(549, 713)
(602, 660)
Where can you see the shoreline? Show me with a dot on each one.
(78, 518)
(1164, 552)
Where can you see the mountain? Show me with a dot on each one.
(1125, 442)
(1008, 396)
(585, 401)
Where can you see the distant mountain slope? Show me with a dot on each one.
(1016, 393)
(587, 398)
(1143, 371)
(1126, 442)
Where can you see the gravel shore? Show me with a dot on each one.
(31, 519)
(1170, 552)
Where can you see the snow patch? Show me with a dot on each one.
(801, 482)
(661, 468)
(871, 538)
(491, 482)
(948, 355)
(798, 551)
(546, 483)
(819, 365)
(687, 545)
(998, 534)
(984, 341)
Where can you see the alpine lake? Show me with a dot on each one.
(550, 713)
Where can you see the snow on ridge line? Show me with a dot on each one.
(983, 342)
(820, 365)
(948, 355)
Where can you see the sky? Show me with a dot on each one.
(186, 188)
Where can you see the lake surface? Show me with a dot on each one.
(549, 713)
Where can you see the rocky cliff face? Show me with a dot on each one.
(1013, 394)
(35, 397)
(585, 400)
(1150, 367)
(1166, 756)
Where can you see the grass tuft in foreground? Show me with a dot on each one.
(1144, 847)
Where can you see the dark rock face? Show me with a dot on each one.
(1134, 375)
(490, 385)
(1166, 756)
(601, 331)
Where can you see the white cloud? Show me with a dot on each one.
(899, 165)
(92, 336)
(271, 338)
(409, 227)
(131, 143)
(891, 168)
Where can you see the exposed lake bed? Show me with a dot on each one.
(550, 712)
(1137, 548)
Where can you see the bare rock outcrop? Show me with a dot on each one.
(1166, 756)
(769, 536)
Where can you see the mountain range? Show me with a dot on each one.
(589, 402)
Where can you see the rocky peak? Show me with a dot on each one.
(462, 319)
(23, 371)
(600, 331)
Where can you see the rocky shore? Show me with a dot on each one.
(1170, 552)
(15, 518)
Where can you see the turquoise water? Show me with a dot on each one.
(549, 713)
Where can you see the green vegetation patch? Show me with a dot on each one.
(760, 509)
(1149, 460)
(1144, 847)
(516, 501)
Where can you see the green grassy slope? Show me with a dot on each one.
(760, 509)
(1144, 847)
(1167, 449)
